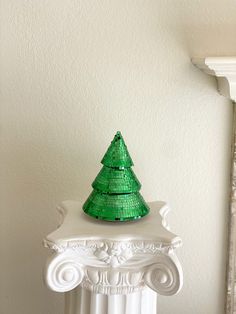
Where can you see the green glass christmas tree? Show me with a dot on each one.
(115, 195)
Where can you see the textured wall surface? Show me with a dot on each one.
(74, 72)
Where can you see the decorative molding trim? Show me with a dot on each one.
(224, 68)
(111, 246)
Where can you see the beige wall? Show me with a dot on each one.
(74, 72)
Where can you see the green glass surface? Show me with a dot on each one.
(115, 180)
(116, 207)
(115, 195)
(117, 154)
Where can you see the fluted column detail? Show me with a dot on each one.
(83, 301)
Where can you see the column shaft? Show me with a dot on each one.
(82, 301)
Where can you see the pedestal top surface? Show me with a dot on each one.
(77, 226)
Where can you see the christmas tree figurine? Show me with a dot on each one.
(115, 195)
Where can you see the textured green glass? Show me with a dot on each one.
(116, 194)
(115, 180)
(117, 154)
(115, 207)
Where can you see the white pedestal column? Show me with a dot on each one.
(113, 268)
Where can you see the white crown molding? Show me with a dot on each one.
(224, 69)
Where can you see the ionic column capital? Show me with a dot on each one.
(113, 258)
